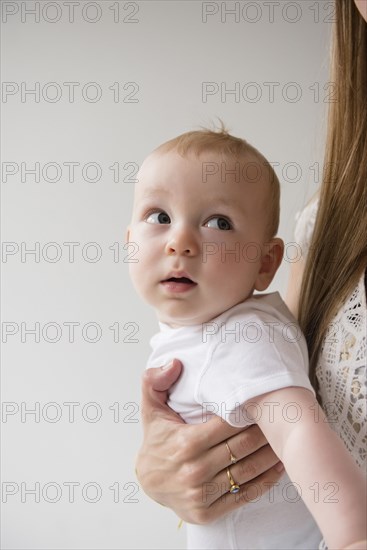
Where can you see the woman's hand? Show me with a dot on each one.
(184, 466)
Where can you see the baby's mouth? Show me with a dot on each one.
(178, 284)
(184, 280)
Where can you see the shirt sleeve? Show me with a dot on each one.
(305, 223)
(249, 363)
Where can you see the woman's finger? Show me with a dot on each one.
(244, 471)
(212, 432)
(240, 445)
(248, 469)
(250, 491)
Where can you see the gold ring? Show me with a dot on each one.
(232, 458)
(234, 488)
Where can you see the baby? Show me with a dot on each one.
(205, 216)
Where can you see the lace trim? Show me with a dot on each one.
(341, 372)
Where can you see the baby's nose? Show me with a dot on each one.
(182, 243)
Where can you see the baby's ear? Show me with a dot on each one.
(270, 261)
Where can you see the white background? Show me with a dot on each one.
(169, 49)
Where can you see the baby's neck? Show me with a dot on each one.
(175, 324)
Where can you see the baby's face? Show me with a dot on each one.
(200, 237)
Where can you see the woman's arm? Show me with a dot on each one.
(294, 286)
(184, 466)
(329, 481)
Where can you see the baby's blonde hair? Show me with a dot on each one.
(221, 142)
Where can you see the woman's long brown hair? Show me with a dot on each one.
(338, 250)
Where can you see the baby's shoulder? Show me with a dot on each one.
(261, 307)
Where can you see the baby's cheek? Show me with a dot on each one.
(139, 279)
(211, 252)
(136, 256)
(135, 252)
(229, 252)
(223, 257)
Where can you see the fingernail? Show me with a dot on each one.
(167, 366)
(279, 467)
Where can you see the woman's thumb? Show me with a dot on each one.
(157, 381)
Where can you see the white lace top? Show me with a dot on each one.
(341, 369)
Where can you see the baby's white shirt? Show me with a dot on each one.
(253, 348)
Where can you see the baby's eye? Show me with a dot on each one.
(158, 217)
(219, 223)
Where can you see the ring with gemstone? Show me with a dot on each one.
(234, 488)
